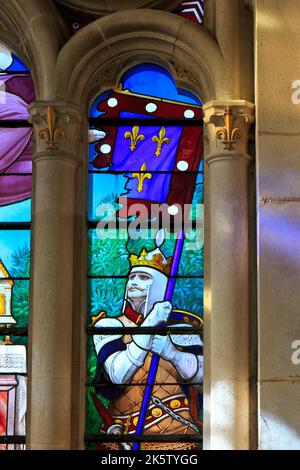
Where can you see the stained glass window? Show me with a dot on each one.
(192, 10)
(16, 92)
(145, 266)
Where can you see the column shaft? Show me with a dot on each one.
(228, 341)
(229, 327)
(52, 301)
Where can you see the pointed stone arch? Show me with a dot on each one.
(35, 32)
(102, 51)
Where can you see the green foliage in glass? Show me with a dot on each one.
(109, 257)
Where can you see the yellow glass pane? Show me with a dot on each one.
(2, 304)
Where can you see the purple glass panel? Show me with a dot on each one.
(16, 92)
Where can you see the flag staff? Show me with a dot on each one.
(155, 359)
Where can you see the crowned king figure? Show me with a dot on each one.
(124, 360)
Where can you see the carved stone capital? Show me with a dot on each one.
(183, 74)
(228, 124)
(59, 129)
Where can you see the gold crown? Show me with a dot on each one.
(157, 261)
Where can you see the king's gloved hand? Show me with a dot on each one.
(188, 365)
(159, 314)
(163, 346)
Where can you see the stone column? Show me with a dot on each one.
(227, 339)
(59, 129)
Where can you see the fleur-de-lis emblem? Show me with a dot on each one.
(51, 133)
(228, 134)
(160, 139)
(134, 136)
(141, 177)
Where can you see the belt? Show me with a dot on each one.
(156, 413)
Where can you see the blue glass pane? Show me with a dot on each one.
(18, 212)
(128, 115)
(199, 190)
(18, 65)
(94, 111)
(153, 80)
(104, 191)
(15, 252)
(9, 62)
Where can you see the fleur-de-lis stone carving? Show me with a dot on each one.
(51, 134)
(229, 134)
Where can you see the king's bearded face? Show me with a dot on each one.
(138, 285)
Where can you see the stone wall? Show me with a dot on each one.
(278, 221)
